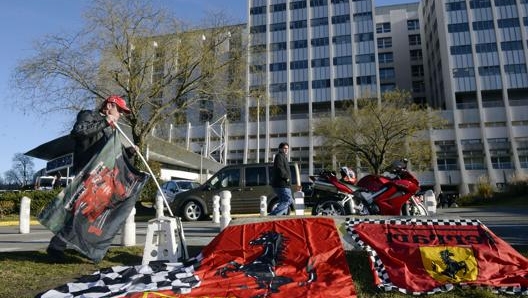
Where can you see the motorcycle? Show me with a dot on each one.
(393, 193)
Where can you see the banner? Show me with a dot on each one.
(283, 258)
(426, 256)
(91, 210)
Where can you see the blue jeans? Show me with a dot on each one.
(285, 200)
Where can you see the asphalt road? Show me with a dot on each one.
(509, 223)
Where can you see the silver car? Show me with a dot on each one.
(173, 187)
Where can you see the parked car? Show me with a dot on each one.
(173, 187)
(246, 182)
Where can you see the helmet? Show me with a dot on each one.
(347, 174)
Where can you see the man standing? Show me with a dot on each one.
(281, 181)
(91, 131)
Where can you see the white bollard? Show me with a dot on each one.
(128, 236)
(159, 206)
(430, 202)
(25, 208)
(263, 206)
(225, 207)
(298, 197)
(216, 209)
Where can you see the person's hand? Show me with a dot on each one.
(111, 119)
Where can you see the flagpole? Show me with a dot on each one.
(148, 167)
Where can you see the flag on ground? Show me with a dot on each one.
(426, 256)
(89, 212)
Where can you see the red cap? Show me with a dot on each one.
(120, 102)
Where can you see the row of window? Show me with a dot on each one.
(324, 83)
(386, 27)
(386, 42)
(475, 4)
(489, 70)
(295, 5)
(487, 47)
(483, 25)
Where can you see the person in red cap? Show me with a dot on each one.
(91, 131)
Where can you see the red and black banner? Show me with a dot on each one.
(418, 256)
(90, 211)
(283, 258)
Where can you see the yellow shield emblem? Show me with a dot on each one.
(450, 263)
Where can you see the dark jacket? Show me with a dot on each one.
(281, 176)
(91, 131)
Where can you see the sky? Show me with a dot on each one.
(25, 21)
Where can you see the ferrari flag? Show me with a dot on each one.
(419, 256)
(89, 212)
(282, 258)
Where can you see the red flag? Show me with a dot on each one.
(430, 255)
(283, 258)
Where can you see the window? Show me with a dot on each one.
(387, 73)
(302, 85)
(300, 64)
(279, 87)
(460, 27)
(387, 87)
(460, 5)
(319, 22)
(366, 80)
(278, 7)
(257, 10)
(277, 27)
(318, 3)
(362, 16)
(343, 60)
(463, 72)
(365, 58)
(363, 37)
(483, 25)
(413, 25)
(297, 4)
(384, 42)
(317, 42)
(460, 50)
(341, 39)
(416, 55)
(511, 45)
(320, 62)
(414, 40)
(504, 2)
(299, 44)
(227, 178)
(486, 47)
(417, 70)
(508, 23)
(515, 68)
(489, 70)
(278, 46)
(256, 176)
(318, 84)
(418, 86)
(386, 57)
(341, 19)
(383, 27)
(298, 24)
(479, 4)
(257, 29)
(277, 66)
(340, 82)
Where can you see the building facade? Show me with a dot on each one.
(307, 57)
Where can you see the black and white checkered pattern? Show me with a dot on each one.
(119, 280)
(380, 270)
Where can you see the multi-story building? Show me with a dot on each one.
(307, 57)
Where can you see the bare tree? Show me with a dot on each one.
(22, 171)
(131, 48)
(377, 134)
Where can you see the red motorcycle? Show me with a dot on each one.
(390, 194)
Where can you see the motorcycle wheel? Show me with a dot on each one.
(331, 208)
(414, 210)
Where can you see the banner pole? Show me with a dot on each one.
(148, 168)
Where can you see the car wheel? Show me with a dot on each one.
(331, 208)
(192, 211)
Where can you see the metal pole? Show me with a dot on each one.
(148, 168)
